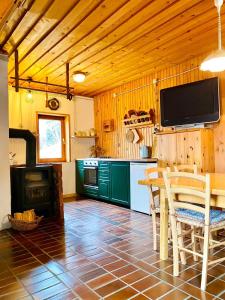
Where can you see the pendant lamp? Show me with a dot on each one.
(215, 62)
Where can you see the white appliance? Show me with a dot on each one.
(139, 194)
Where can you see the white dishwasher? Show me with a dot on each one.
(139, 194)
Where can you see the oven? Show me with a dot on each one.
(91, 173)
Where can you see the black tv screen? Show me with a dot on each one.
(192, 103)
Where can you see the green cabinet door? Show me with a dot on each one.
(120, 183)
(104, 189)
(80, 177)
(104, 180)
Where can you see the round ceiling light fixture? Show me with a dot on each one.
(79, 76)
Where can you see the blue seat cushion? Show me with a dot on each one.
(216, 216)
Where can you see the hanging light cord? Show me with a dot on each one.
(218, 4)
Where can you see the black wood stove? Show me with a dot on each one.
(31, 184)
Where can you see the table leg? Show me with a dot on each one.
(163, 225)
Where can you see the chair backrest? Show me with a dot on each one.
(149, 173)
(181, 187)
(186, 168)
(159, 171)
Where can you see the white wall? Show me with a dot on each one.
(5, 205)
(22, 114)
(83, 113)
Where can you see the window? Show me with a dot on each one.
(51, 138)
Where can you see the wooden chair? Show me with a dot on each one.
(191, 169)
(186, 168)
(154, 200)
(184, 211)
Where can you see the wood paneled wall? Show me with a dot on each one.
(115, 103)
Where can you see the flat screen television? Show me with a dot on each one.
(192, 103)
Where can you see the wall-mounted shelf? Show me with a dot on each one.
(84, 136)
(138, 122)
(140, 125)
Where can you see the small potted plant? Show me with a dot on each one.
(96, 151)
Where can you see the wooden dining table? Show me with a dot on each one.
(217, 182)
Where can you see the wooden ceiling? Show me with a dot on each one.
(114, 41)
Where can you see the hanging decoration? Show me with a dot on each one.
(53, 104)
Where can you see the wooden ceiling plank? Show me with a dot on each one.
(42, 56)
(137, 72)
(85, 38)
(27, 32)
(15, 25)
(45, 25)
(97, 50)
(135, 36)
(45, 35)
(7, 9)
(165, 41)
(168, 33)
(137, 46)
(114, 54)
(109, 6)
(153, 52)
(144, 18)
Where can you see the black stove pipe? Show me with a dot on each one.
(30, 144)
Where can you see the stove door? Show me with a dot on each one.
(90, 176)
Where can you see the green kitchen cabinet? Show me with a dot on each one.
(80, 177)
(120, 183)
(90, 191)
(104, 180)
(113, 182)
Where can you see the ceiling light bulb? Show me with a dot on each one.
(215, 62)
(29, 95)
(79, 76)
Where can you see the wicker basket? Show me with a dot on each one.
(21, 225)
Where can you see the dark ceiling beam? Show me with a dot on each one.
(68, 81)
(42, 82)
(16, 45)
(16, 71)
(16, 24)
(41, 90)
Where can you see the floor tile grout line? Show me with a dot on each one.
(152, 273)
(125, 238)
(41, 265)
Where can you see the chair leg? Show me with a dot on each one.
(201, 242)
(175, 247)
(154, 226)
(193, 239)
(205, 258)
(181, 243)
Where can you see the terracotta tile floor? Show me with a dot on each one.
(102, 252)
